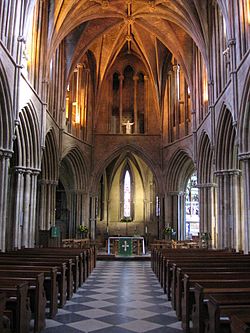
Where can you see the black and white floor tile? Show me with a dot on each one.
(118, 297)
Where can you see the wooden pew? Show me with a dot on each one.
(220, 306)
(55, 260)
(3, 327)
(50, 282)
(208, 257)
(17, 300)
(61, 269)
(219, 267)
(68, 252)
(240, 323)
(36, 293)
(203, 289)
(190, 279)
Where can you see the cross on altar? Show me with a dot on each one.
(125, 246)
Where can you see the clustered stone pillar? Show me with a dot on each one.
(47, 203)
(207, 209)
(245, 162)
(135, 78)
(121, 78)
(146, 103)
(229, 209)
(24, 223)
(93, 214)
(173, 204)
(4, 166)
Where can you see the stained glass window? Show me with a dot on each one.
(192, 207)
(127, 194)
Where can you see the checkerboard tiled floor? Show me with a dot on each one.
(119, 297)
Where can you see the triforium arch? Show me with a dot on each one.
(111, 196)
(6, 145)
(244, 156)
(25, 167)
(229, 181)
(47, 183)
(180, 169)
(207, 187)
(73, 183)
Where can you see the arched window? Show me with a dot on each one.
(127, 194)
(192, 207)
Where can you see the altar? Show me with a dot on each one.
(124, 245)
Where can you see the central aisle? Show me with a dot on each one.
(118, 297)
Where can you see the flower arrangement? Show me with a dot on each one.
(83, 229)
(168, 231)
(206, 236)
(126, 219)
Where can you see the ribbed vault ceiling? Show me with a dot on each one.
(146, 28)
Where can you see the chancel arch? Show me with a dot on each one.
(113, 218)
(229, 181)
(180, 169)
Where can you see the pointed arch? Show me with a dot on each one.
(226, 154)
(181, 166)
(204, 163)
(6, 113)
(119, 154)
(50, 158)
(28, 139)
(74, 164)
(244, 119)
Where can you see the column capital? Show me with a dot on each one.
(175, 193)
(121, 77)
(5, 153)
(135, 77)
(206, 185)
(244, 156)
(230, 172)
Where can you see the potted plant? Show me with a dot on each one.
(126, 219)
(205, 239)
(169, 232)
(83, 230)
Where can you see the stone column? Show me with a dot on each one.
(92, 218)
(207, 209)
(33, 197)
(26, 208)
(18, 210)
(146, 103)
(53, 185)
(4, 166)
(176, 102)
(121, 78)
(135, 78)
(229, 197)
(245, 165)
(181, 220)
(171, 209)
